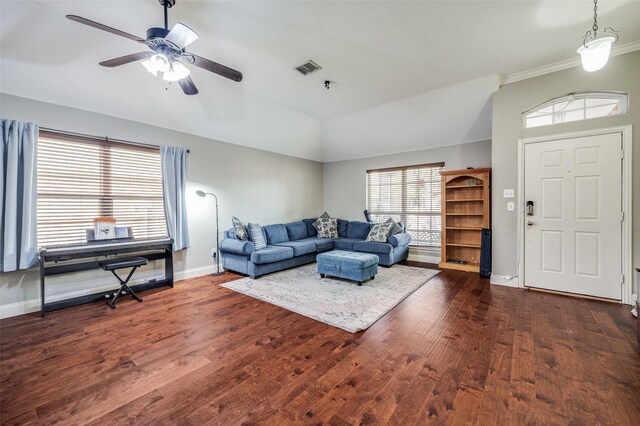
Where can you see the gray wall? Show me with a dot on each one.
(255, 185)
(622, 73)
(345, 181)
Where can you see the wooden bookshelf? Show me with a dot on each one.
(465, 212)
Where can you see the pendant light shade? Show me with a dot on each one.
(595, 54)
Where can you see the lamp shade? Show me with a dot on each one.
(595, 53)
(160, 62)
(150, 67)
(176, 72)
(200, 193)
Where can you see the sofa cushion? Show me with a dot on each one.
(327, 227)
(311, 230)
(240, 229)
(380, 232)
(342, 228)
(322, 244)
(371, 247)
(344, 243)
(271, 254)
(276, 233)
(299, 247)
(358, 230)
(297, 230)
(256, 235)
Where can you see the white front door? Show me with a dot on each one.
(573, 239)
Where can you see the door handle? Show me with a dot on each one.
(529, 223)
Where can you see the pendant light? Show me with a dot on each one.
(595, 51)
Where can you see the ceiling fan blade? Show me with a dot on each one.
(187, 86)
(215, 67)
(126, 59)
(102, 27)
(181, 36)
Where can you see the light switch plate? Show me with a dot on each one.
(511, 206)
(509, 193)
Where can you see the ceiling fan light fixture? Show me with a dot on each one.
(176, 72)
(160, 62)
(594, 52)
(167, 49)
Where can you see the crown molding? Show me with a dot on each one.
(562, 65)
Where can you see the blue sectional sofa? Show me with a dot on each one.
(294, 244)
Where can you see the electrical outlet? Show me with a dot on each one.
(511, 206)
(508, 193)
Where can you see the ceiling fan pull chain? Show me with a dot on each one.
(595, 19)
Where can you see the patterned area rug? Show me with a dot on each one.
(336, 302)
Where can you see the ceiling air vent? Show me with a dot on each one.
(309, 67)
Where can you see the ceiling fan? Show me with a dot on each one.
(167, 52)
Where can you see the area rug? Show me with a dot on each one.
(336, 302)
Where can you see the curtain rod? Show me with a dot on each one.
(104, 138)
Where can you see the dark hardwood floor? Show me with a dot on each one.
(457, 351)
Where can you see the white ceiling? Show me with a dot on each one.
(375, 52)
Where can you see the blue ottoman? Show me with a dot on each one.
(349, 265)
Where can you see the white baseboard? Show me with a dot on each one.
(194, 272)
(33, 305)
(19, 308)
(424, 257)
(505, 280)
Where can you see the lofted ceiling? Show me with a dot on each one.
(375, 53)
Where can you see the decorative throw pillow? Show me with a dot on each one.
(325, 215)
(255, 230)
(327, 227)
(379, 233)
(240, 228)
(396, 228)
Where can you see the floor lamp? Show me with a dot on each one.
(218, 272)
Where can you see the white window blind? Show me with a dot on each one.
(80, 179)
(411, 195)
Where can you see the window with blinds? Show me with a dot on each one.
(80, 179)
(411, 195)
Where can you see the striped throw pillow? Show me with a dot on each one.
(396, 228)
(256, 235)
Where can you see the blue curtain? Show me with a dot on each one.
(174, 180)
(18, 196)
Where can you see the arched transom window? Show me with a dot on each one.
(576, 107)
